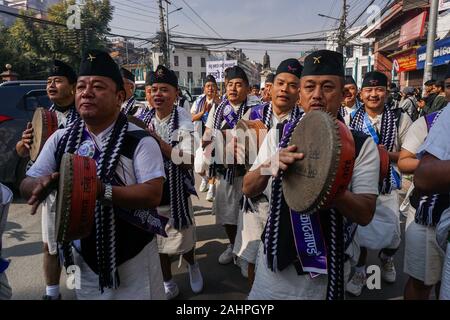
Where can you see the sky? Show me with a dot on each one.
(240, 19)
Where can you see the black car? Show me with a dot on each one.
(18, 101)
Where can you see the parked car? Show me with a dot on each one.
(18, 101)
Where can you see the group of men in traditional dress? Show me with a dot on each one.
(146, 157)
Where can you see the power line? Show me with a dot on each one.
(195, 12)
(140, 8)
(138, 14)
(135, 19)
(200, 27)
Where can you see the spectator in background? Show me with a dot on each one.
(439, 102)
(429, 94)
(394, 96)
(429, 87)
(421, 103)
(409, 103)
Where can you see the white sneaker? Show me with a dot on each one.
(243, 264)
(388, 273)
(210, 194)
(171, 290)
(356, 284)
(204, 185)
(227, 256)
(195, 277)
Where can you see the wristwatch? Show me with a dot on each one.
(107, 195)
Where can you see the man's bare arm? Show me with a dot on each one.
(432, 175)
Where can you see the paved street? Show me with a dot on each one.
(22, 244)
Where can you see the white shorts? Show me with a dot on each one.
(250, 228)
(445, 285)
(177, 241)
(226, 204)
(423, 257)
(384, 229)
(140, 278)
(287, 284)
(49, 223)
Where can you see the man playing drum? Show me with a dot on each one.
(61, 92)
(118, 260)
(172, 127)
(433, 176)
(229, 180)
(279, 271)
(388, 129)
(282, 107)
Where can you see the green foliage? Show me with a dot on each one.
(30, 46)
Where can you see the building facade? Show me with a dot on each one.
(400, 42)
(358, 54)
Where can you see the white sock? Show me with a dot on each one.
(169, 284)
(361, 269)
(52, 291)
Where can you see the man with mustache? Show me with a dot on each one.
(279, 271)
(119, 259)
(229, 180)
(282, 107)
(388, 129)
(61, 92)
(350, 103)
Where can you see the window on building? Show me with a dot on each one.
(349, 71)
(364, 70)
(203, 62)
(365, 49)
(176, 63)
(190, 77)
(189, 61)
(203, 75)
(349, 51)
(177, 73)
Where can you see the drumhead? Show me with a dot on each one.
(307, 181)
(253, 131)
(39, 128)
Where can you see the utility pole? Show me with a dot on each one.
(432, 23)
(342, 28)
(163, 47)
(167, 32)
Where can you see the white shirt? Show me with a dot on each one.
(147, 163)
(416, 135)
(184, 134)
(404, 124)
(438, 141)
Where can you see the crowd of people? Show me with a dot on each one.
(147, 157)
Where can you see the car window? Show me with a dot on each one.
(139, 93)
(12, 100)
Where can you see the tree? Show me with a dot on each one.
(39, 42)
